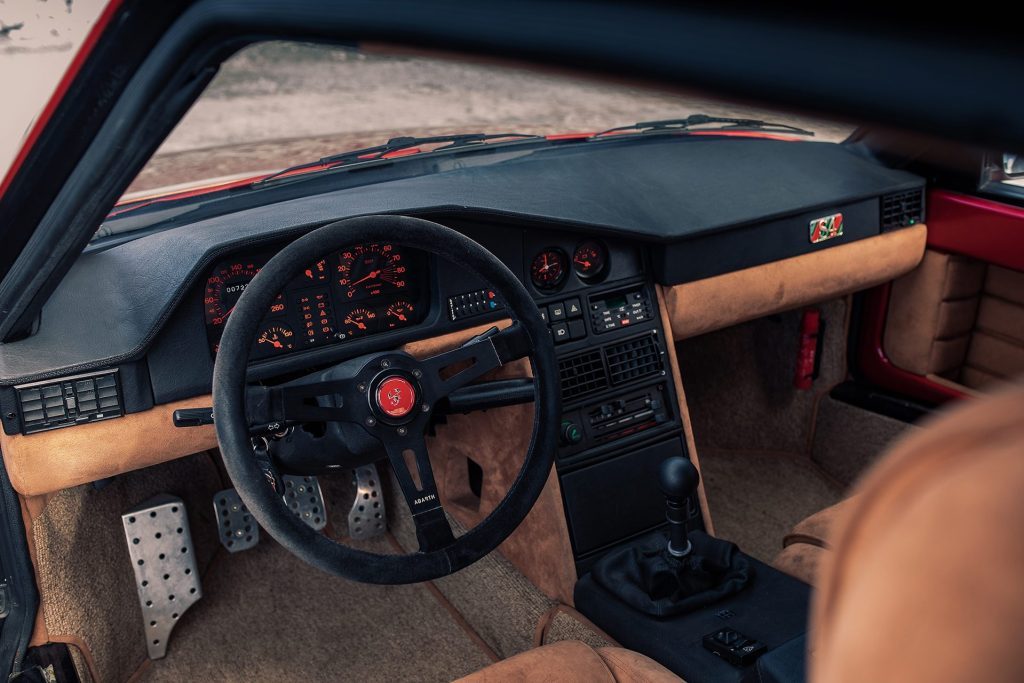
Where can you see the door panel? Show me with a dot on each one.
(954, 325)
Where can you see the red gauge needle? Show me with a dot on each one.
(372, 274)
(585, 264)
(350, 321)
(273, 342)
(546, 265)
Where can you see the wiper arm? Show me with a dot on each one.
(701, 120)
(393, 147)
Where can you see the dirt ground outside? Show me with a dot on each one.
(278, 104)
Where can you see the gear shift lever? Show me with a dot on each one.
(678, 480)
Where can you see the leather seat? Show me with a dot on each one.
(805, 546)
(571, 661)
(924, 579)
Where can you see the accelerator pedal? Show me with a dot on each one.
(367, 518)
(236, 528)
(160, 547)
(303, 496)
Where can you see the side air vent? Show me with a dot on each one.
(633, 359)
(582, 374)
(902, 209)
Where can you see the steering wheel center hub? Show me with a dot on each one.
(395, 397)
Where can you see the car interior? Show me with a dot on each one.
(706, 399)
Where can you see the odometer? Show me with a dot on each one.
(224, 287)
(369, 270)
(549, 268)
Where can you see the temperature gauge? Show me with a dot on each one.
(275, 338)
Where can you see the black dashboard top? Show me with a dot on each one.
(661, 191)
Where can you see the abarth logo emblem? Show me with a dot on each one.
(395, 396)
(424, 499)
(826, 228)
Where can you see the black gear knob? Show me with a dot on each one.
(678, 479)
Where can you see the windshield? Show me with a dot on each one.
(275, 105)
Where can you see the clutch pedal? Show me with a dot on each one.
(367, 518)
(237, 529)
(303, 496)
(160, 547)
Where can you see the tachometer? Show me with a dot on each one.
(549, 268)
(369, 270)
(224, 287)
(275, 338)
(590, 259)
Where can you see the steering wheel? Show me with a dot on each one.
(388, 397)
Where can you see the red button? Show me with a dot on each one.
(396, 397)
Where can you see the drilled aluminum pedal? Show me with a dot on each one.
(367, 518)
(160, 547)
(237, 529)
(304, 498)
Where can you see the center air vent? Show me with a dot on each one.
(902, 209)
(633, 359)
(582, 374)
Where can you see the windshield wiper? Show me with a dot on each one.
(693, 120)
(393, 147)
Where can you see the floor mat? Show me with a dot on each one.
(267, 616)
(757, 497)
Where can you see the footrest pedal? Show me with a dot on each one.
(166, 576)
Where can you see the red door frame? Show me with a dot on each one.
(958, 224)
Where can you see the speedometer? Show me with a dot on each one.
(369, 270)
(223, 288)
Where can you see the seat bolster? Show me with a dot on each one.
(566, 660)
(801, 561)
(628, 666)
(817, 529)
(575, 662)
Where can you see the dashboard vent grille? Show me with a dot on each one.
(902, 209)
(582, 374)
(633, 359)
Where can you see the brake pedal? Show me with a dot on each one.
(367, 518)
(236, 528)
(166, 576)
(303, 496)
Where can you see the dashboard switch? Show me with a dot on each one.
(570, 433)
(556, 312)
(573, 309)
(560, 332)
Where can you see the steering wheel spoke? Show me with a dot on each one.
(411, 464)
(446, 372)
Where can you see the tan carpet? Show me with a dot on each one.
(756, 498)
(266, 616)
(85, 577)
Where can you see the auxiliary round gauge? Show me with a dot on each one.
(398, 314)
(275, 338)
(359, 321)
(590, 259)
(549, 268)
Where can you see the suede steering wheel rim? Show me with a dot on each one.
(349, 397)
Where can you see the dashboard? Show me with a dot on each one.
(361, 290)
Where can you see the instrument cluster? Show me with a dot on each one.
(357, 291)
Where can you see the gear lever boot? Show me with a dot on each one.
(683, 572)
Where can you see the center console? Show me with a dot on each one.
(620, 422)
